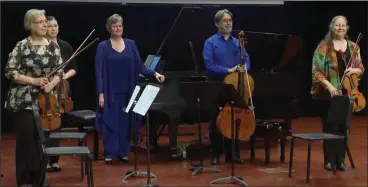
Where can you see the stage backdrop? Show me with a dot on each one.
(149, 24)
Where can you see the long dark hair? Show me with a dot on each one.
(50, 18)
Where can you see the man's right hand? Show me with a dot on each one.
(101, 101)
(232, 70)
(42, 81)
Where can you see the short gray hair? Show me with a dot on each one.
(31, 16)
(220, 14)
(112, 20)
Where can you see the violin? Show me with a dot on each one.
(349, 84)
(49, 105)
(64, 99)
(244, 84)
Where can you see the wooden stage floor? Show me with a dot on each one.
(174, 172)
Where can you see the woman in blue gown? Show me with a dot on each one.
(117, 66)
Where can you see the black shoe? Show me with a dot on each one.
(215, 160)
(108, 161)
(328, 167)
(55, 167)
(125, 159)
(237, 160)
(342, 167)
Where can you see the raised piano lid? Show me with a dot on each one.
(276, 65)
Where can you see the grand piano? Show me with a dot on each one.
(276, 70)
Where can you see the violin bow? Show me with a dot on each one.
(350, 63)
(241, 43)
(76, 53)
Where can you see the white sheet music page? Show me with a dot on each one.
(134, 95)
(145, 101)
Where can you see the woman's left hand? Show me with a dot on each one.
(351, 71)
(160, 78)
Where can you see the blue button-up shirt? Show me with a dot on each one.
(220, 55)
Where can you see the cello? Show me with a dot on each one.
(244, 84)
(49, 107)
(349, 84)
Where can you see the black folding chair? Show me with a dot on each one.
(82, 151)
(340, 112)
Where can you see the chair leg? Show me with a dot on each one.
(83, 160)
(90, 172)
(308, 161)
(350, 157)
(291, 156)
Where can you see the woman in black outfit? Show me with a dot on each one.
(70, 70)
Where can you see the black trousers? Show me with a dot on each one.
(333, 150)
(28, 152)
(52, 143)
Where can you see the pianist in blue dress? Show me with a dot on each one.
(117, 67)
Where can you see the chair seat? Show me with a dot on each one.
(86, 115)
(61, 151)
(68, 135)
(318, 136)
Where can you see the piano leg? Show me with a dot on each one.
(252, 142)
(267, 142)
(282, 149)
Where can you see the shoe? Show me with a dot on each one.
(237, 160)
(49, 168)
(328, 167)
(215, 160)
(108, 160)
(125, 159)
(55, 167)
(342, 167)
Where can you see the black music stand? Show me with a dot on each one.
(199, 95)
(233, 98)
(141, 106)
(133, 116)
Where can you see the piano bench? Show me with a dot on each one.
(80, 136)
(84, 120)
(270, 131)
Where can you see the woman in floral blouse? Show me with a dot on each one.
(31, 59)
(329, 65)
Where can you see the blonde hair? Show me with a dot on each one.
(31, 16)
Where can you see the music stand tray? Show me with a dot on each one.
(199, 95)
(141, 106)
(235, 100)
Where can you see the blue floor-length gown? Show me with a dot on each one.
(116, 77)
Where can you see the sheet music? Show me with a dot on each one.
(147, 97)
(134, 95)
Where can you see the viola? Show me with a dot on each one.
(244, 84)
(65, 101)
(49, 111)
(349, 84)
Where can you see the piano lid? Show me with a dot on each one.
(272, 51)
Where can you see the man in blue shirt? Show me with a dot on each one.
(221, 54)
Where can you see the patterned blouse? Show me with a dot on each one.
(325, 67)
(33, 61)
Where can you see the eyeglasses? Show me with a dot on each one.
(41, 22)
(117, 26)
